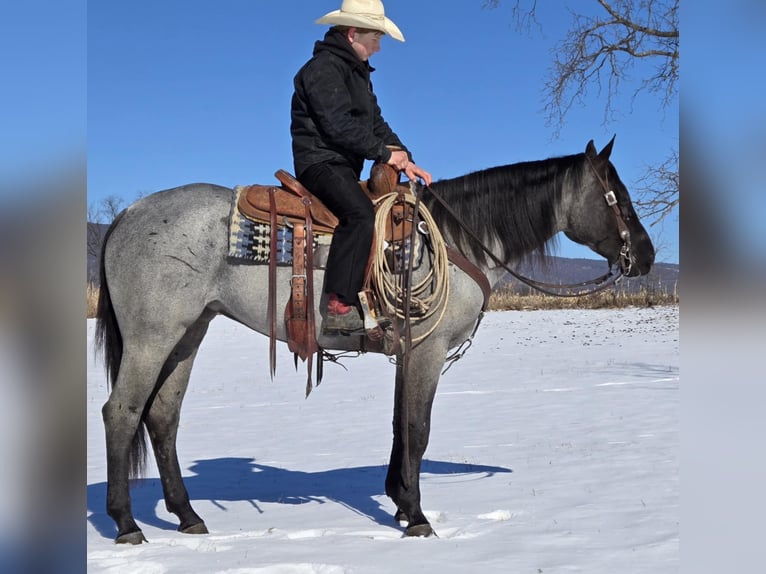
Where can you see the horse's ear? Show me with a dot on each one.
(607, 151)
(590, 149)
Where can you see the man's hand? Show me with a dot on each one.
(401, 162)
(413, 171)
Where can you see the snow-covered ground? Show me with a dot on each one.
(554, 448)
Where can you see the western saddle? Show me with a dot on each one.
(296, 206)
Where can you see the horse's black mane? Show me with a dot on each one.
(512, 204)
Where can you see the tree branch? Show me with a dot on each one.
(618, 19)
(600, 51)
(658, 190)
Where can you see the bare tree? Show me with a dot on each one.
(601, 50)
(110, 207)
(93, 239)
(103, 212)
(657, 190)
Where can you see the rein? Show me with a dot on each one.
(603, 282)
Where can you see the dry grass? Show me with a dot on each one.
(505, 300)
(608, 299)
(91, 301)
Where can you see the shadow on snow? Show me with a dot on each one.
(242, 479)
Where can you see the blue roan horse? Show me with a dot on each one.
(165, 275)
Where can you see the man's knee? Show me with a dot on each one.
(366, 228)
(360, 209)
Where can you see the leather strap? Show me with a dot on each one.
(272, 299)
(301, 330)
(311, 337)
(473, 272)
(291, 183)
(299, 277)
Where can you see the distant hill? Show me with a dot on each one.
(663, 277)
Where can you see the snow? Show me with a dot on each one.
(554, 448)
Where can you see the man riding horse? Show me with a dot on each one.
(336, 124)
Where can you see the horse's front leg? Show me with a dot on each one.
(414, 395)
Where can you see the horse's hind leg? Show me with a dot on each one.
(162, 421)
(122, 413)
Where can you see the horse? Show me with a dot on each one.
(165, 276)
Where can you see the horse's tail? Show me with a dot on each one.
(108, 341)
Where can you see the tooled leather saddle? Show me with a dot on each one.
(294, 205)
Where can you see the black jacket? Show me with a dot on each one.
(335, 115)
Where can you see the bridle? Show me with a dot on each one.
(611, 200)
(571, 289)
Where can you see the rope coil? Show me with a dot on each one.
(428, 296)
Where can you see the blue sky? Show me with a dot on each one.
(43, 95)
(197, 90)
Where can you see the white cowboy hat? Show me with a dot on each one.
(363, 14)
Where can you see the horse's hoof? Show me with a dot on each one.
(198, 528)
(422, 530)
(136, 537)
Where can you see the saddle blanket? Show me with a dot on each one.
(249, 240)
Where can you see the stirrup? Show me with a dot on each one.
(349, 322)
(352, 324)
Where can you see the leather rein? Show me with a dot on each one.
(564, 290)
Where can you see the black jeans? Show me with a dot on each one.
(338, 188)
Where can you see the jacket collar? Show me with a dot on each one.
(336, 43)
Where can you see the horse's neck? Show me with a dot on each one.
(493, 273)
(491, 242)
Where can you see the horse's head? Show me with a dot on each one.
(602, 217)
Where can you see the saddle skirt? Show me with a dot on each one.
(255, 203)
(292, 200)
(293, 221)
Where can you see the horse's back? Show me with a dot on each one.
(178, 212)
(182, 202)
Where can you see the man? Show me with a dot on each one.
(336, 124)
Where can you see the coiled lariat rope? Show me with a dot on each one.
(429, 295)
